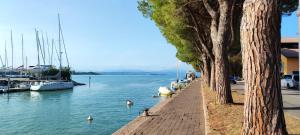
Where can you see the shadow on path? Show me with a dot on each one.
(291, 108)
(290, 94)
(238, 103)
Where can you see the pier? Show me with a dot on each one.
(180, 115)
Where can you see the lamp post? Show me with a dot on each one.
(298, 15)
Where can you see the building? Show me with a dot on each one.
(289, 55)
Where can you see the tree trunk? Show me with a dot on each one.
(220, 50)
(220, 35)
(206, 71)
(260, 38)
(212, 76)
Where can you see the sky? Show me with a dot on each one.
(100, 35)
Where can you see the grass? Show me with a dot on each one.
(228, 119)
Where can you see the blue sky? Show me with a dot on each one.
(100, 35)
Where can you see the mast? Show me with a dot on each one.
(48, 48)
(12, 51)
(38, 49)
(63, 41)
(59, 43)
(1, 61)
(177, 71)
(51, 60)
(56, 51)
(26, 65)
(6, 61)
(22, 52)
(43, 49)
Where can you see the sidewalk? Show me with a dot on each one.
(290, 97)
(181, 115)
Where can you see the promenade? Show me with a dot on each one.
(180, 115)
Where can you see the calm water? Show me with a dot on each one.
(65, 112)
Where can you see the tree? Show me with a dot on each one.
(260, 38)
(221, 23)
(179, 22)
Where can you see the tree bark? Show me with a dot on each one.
(221, 33)
(206, 70)
(260, 38)
(212, 76)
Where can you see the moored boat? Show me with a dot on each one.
(164, 91)
(51, 85)
(60, 83)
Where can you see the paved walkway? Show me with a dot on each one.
(181, 115)
(291, 102)
(290, 97)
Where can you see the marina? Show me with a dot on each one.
(40, 77)
(66, 111)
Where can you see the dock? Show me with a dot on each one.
(182, 114)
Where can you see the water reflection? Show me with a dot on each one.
(44, 95)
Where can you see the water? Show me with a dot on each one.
(65, 112)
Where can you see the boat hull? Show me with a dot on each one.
(164, 91)
(51, 86)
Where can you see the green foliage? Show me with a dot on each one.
(289, 6)
(51, 72)
(145, 8)
(65, 73)
(171, 19)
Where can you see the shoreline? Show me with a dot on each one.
(135, 124)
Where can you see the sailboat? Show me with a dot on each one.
(60, 84)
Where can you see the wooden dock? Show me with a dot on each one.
(180, 115)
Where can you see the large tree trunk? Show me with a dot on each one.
(260, 38)
(212, 76)
(206, 70)
(220, 50)
(220, 35)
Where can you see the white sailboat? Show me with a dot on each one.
(57, 84)
(51, 85)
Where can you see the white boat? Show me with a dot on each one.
(24, 86)
(174, 85)
(3, 86)
(57, 84)
(3, 89)
(164, 91)
(51, 85)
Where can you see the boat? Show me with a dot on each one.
(51, 85)
(24, 86)
(164, 91)
(59, 84)
(174, 85)
(3, 86)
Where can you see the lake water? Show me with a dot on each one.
(65, 112)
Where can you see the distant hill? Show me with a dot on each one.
(132, 73)
(118, 73)
(165, 72)
(85, 73)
